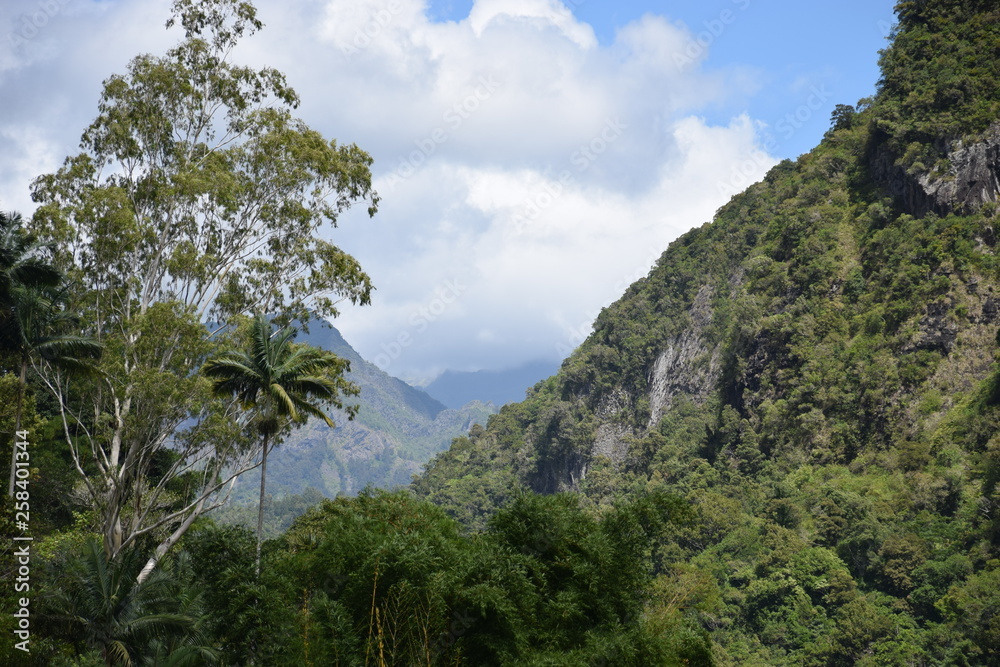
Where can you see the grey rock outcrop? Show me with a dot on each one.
(687, 365)
(971, 179)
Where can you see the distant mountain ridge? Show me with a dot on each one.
(398, 428)
(328, 337)
(456, 388)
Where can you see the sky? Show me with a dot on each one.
(534, 157)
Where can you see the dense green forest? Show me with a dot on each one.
(779, 448)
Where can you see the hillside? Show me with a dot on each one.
(815, 371)
(397, 429)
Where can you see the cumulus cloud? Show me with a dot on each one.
(528, 173)
(54, 54)
(536, 253)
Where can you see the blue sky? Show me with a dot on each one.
(534, 157)
(835, 44)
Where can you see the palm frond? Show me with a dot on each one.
(313, 410)
(232, 365)
(284, 405)
(22, 260)
(102, 604)
(53, 348)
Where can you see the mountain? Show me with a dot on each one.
(398, 428)
(815, 372)
(456, 388)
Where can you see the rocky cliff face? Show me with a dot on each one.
(970, 179)
(688, 364)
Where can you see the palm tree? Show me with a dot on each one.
(37, 318)
(102, 603)
(22, 264)
(31, 314)
(279, 382)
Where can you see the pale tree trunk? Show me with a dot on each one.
(166, 545)
(198, 508)
(21, 386)
(260, 505)
(113, 535)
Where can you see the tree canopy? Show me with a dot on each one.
(198, 197)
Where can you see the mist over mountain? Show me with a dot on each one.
(499, 387)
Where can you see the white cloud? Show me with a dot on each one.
(539, 14)
(537, 255)
(528, 173)
(50, 77)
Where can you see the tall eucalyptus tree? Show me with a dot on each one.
(197, 197)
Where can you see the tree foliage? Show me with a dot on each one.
(197, 196)
(279, 384)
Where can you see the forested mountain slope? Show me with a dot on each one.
(397, 429)
(815, 371)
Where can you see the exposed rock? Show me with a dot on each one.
(936, 331)
(991, 310)
(612, 404)
(562, 472)
(686, 365)
(987, 240)
(972, 178)
(610, 442)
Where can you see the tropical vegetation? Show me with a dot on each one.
(779, 448)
